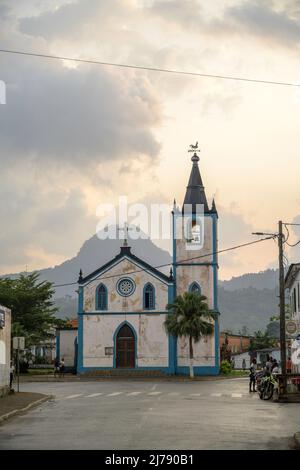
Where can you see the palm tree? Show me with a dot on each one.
(190, 316)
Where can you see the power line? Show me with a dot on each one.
(180, 261)
(151, 69)
(286, 241)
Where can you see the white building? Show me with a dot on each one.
(292, 282)
(122, 305)
(5, 339)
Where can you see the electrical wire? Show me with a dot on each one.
(286, 241)
(180, 262)
(151, 69)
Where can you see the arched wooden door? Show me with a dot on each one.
(125, 343)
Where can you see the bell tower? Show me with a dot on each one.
(195, 263)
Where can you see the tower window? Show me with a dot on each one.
(101, 297)
(194, 287)
(149, 297)
(194, 231)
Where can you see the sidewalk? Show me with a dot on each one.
(16, 403)
(84, 378)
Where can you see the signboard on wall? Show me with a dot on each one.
(291, 327)
(109, 351)
(2, 318)
(19, 342)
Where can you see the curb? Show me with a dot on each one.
(26, 408)
(97, 378)
(297, 439)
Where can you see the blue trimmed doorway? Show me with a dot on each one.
(125, 345)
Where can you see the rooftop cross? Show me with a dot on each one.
(125, 229)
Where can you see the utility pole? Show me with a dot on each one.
(280, 238)
(282, 307)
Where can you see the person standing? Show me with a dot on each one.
(11, 374)
(252, 375)
(288, 366)
(62, 367)
(269, 364)
(56, 367)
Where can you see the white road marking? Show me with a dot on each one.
(73, 396)
(216, 394)
(173, 394)
(195, 394)
(114, 394)
(236, 395)
(154, 393)
(133, 394)
(154, 387)
(94, 395)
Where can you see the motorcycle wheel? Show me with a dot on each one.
(268, 393)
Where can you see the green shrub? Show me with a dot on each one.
(226, 367)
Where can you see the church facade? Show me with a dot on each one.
(122, 305)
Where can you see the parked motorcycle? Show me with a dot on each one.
(267, 386)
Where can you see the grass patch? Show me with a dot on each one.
(237, 373)
(40, 372)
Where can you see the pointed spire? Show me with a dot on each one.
(195, 193)
(213, 206)
(80, 276)
(171, 275)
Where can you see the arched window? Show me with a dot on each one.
(101, 297)
(194, 287)
(149, 297)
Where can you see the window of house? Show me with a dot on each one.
(194, 287)
(101, 297)
(149, 297)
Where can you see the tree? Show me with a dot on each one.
(189, 316)
(31, 304)
(262, 340)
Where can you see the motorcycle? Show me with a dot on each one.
(268, 385)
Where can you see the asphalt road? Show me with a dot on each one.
(152, 415)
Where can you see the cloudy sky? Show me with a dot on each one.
(74, 136)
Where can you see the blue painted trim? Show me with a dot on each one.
(144, 297)
(158, 368)
(171, 338)
(97, 299)
(182, 370)
(80, 330)
(196, 264)
(215, 287)
(140, 312)
(57, 353)
(115, 343)
(198, 370)
(139, 263)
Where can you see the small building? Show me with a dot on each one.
(5, 345)
(235, 343)
(66, 345)
(261, 356)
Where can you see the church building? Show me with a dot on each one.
(122, 305)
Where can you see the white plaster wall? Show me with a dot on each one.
(118, 303)
(67, 347)
(204, 352)
(99, 330)
(5, 337)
